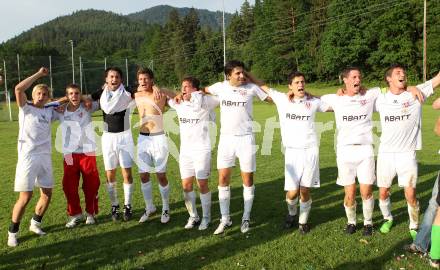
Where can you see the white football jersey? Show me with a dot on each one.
(77, 130)
(236, 106)
(297, 119)
(194, 118)
(400, 118)
(353, 116)
(34, 135)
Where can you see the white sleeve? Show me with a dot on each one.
(172, 103)
(275, 95)
(323, 106)
(25, 108)
(215, 88)
(329, 100)
(259, 93)
(375, 92)
(210, 102)
(426, 88)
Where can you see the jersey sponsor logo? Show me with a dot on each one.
(188, 120)
(293, 116)
(308, 105)
(42, 119)
(229, 103)
(395, 118)
(354, 117)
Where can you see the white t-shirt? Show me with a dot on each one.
(77, 130)
(353, 116)
(194, 117)
(236, 106)
(297, 119)
(400, 118)
(34, 136)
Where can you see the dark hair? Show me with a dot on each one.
(73, 86)
(390, 69)
(146, 71)
(231, 65)
(346, 71)
(293, 75)
(116, 69)
(193, 80)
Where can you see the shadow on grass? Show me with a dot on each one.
(373, 264)
(126, 244)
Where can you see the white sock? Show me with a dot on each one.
(148, 195)
(112, 193)
(248, 198)
(413, 213)
(385, 208)
(350, 212)
(304, 210)
(224, 199)
(165, 194)
(292, 206)
(190, 203)
(128, 193)
(367, 209)
(205, 199)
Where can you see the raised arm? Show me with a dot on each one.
(20, 89)
(436, 81)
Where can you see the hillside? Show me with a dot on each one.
(159, 15)
(88, 29)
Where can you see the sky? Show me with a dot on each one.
(18, 16)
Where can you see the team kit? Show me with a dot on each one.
(398, 105)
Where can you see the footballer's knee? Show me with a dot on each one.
(384, 193)
(305, 194)
(24, 198)
(162, 178)
(203, 186)
(291, 194)
(145, 177)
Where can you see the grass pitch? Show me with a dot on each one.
(130, 245)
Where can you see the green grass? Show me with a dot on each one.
(129, 245)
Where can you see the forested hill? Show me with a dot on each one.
(101, 33)
(94, 32)
(159, 15)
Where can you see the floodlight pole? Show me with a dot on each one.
(224, 38)
(8, 98)
(424, 41)
(50, 72)
(73, 62)
(18, 67)
(126, 71)
(80, 74)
